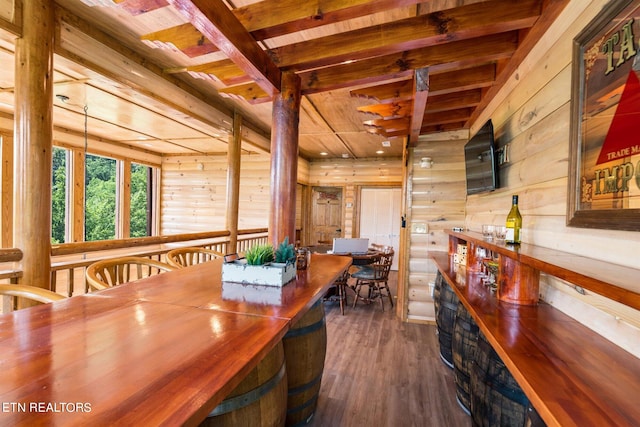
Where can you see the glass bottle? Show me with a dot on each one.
(514, 223)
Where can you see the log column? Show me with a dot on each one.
(233, 182)
(33, 135)
(284, 160)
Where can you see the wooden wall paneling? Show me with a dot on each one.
(6, 214)
(551, 54)
(350, 171)
(532, 114)
(11, 16)
(611, 319)
(254, 192)
(436, 202)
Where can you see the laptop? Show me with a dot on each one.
(350, 246)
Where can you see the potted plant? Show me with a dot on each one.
(262, 265)
(285, 254)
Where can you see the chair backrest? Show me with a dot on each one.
(31, 293)
(111, 272)
(382, 266)
(184, 257)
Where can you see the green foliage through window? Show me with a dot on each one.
(100, 198)
(59, 196)
(140, 200)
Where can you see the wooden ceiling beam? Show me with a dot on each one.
(387, 92)
(454, 100)
(219, 25)
(421, 93)
(445, 127)
(390, 110)
(441, 57)
(463, 79)
(186, 38)
(225, 72)
(552, 10)
(443, 27)
(389, 125)
(273, 18)
(450, 116)
(250, 92)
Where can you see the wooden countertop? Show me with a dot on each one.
(200, 286)
(572, 375)
(126, 362)
(122, 358)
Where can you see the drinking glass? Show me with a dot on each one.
(487, 231)
(500, 232)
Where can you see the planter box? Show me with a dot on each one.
(274, 274)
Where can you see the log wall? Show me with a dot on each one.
(436, 201)
(352, 175)
(193, 193)
(532, 114)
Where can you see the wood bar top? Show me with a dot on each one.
(572, 375)
(164, 350)
(92, 360)
(201, 286)
(613, 281)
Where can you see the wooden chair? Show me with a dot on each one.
(31, 293)
(376, 278)
(184, 257)
(111, 272)
(338, 291)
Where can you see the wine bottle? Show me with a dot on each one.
(514, 223)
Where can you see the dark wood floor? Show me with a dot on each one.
(380, 371)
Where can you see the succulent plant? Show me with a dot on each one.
(259, 254)
(285, 252)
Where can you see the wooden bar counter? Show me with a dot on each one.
(572, 375)
(200, 286)
(117, 358)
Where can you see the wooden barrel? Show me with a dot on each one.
(463, 346)
(496, 397)
(436, 293)
(305, 347)
(260, 399)
(448, 305)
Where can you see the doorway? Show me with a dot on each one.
(326, 221)
(380, 217)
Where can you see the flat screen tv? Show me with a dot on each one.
(481, 162)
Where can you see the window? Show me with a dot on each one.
(141, 200)
(100, 198)
(59, 196)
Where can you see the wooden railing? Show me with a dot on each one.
(7, 270)
(69, 260)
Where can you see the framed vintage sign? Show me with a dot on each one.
(604, 160)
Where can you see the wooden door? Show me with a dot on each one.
(380, 217)
(327, 215)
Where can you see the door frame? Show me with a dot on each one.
(358, 203)
(309, 203)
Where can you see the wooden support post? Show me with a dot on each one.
(33, 132)
(233, 182)
(123, 195)
(6, 211)
(284, 160)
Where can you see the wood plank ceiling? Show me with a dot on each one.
(373, 72)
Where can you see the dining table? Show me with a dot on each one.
(163, 350)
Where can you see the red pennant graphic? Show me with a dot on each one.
(623, 132)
